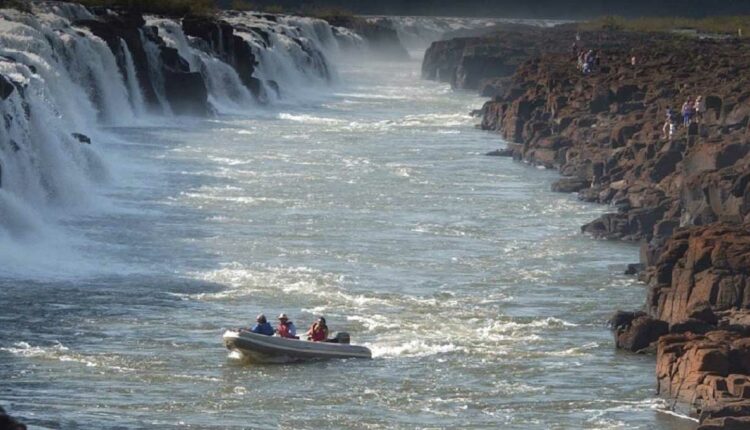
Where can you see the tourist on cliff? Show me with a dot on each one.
(286, 328)
(262, 326)
(700, 108)
(669, 124)
(688, 109)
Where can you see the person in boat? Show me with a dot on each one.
(286, 328)
(318, 331)
(262, 326)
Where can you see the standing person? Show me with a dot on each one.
(318, 331)
(687, 112)
(699, 108)
(666, 130)
(262, 326)
(286, 328)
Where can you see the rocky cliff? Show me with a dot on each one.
(684, 197)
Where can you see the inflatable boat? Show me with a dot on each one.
(274, 349)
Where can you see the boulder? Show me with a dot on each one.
(82, 138)
(570, 185)
(623, 319)
(505, 152)
(640, 333)
(635, 268)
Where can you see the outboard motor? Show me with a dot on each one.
(341, 337)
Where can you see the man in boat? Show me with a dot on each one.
(286, 328)
(262, 326)
(318, 331)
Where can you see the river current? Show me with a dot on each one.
(370, 203)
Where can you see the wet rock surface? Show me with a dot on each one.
(6, 87)
(684, 197)
(9, 423)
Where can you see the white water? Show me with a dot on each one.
(73, 85)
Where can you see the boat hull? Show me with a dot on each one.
(273, 349)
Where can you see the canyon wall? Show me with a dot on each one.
(684, 197)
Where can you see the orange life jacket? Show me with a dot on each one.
(318, 333)
(284, 330)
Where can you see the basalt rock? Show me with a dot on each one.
(710, 372)
(700, 268)
(82, 138)
(685, 197)
(640, 333)
(186, 92)
(9, 423)
(507, 152)
(230, 47)
(570, 185)
(6, 87)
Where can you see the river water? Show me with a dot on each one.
(370, 203)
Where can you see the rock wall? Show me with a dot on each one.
(9, 423)
(685, 198)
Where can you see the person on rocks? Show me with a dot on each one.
(588, 62)
(286, 328)
(687, 112)
(700, 108)
(669, 124)
(318, 332)
(262, 326)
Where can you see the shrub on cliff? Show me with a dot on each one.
(22, 5)
(735, 25)
(159, 7)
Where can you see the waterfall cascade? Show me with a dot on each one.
(66, 71)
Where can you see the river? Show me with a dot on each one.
(371, 203)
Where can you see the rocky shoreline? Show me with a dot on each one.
(686, 199)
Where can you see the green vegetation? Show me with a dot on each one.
(327, 13)
(735, 25)
(242, 5)
(21, 5)
(160, 7)
(306, 9)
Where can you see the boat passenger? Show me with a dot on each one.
(286, 328)
(262, 326)
(318, 331)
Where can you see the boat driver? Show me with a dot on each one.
(262, 326)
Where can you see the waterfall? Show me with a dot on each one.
(227, 93)
(70, 71)
(131, 77)
(154, 69)
(294, 52)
